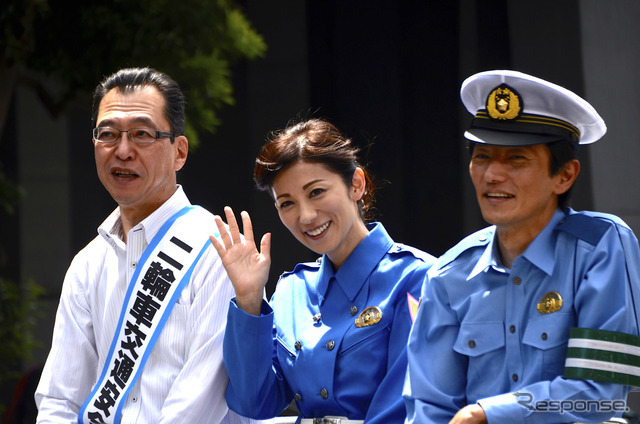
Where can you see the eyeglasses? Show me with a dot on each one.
(137, 135)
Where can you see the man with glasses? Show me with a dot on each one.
(139, 328)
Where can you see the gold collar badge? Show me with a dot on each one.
(551, 302)
(369, 316)
(504, 103)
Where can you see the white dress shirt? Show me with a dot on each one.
(184, 379)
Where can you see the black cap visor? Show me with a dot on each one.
(510, 138)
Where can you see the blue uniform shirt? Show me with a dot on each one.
(306, 345)
(479, 336)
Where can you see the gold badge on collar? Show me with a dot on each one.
(551, 302)
(369, 316)
(503, 103)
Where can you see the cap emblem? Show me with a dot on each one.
(504, 103)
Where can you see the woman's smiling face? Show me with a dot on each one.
(319, 209)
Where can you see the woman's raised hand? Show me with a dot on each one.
(248, 268)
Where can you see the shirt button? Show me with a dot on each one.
(544, 336)
(517, 281)
(514, 377)
(298, 397)
(324, 393)
(353, 310)
(298, 345)
(472, 344)
(133, 264)
(512, 329)
(134, 399)
(331, 344)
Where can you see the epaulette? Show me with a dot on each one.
(301, 265)
(587, 227)
(415, 252)
(478, 239)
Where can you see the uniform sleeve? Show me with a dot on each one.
(436, 375)
(63, 388)
(603, 300)
(387, 405)
(257, 388)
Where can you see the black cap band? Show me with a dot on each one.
(550, 128)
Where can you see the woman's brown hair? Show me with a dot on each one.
(315, 141)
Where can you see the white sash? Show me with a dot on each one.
(163, 270)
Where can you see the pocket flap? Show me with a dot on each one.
(547, 331)
(478, 338)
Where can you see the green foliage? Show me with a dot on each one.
(195, 41)
(19, 310)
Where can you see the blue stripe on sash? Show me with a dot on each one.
(143, 259)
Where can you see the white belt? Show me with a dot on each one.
(330, 420)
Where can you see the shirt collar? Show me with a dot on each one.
(353, 273)
(489, 258)
(540, 251)
(111, 228)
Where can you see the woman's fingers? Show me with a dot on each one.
(247, 226)
(230, 234)
(233, 224)
(265, 247)
(224, 236)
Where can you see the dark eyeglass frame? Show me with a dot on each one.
(158, 134)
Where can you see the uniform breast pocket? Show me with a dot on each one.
(363, 357)
(547, 336)
(286, 352)
(373, 337)
(482, 343)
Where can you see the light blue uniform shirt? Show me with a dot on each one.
(479, 336)
(306, 346)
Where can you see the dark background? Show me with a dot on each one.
(386, 73)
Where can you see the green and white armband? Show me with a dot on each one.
(603, 355)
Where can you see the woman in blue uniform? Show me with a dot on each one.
(333, 337)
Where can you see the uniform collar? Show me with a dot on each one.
(540, 252)
(489, 258)
(354, 271)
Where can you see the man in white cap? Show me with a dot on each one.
(535, 318)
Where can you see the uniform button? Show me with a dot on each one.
(298, 397)
(514, 377)
(331, 344)
(353, 310)
(512, 329)
(133, 265)
(472, 344)
(298, 345)
(317, 317)
(134, 399)
(517, 281)
(544, 336)
(324, 393)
